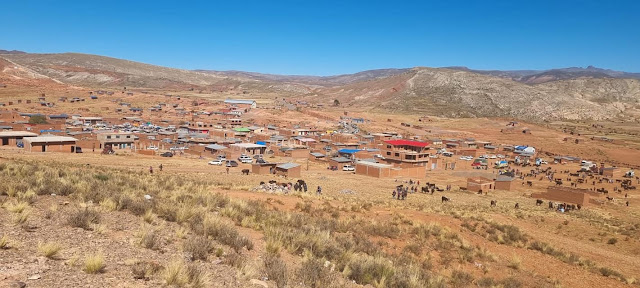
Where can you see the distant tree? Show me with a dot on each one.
(336, 102)
(37, 119)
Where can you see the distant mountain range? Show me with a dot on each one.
(542, 76)
(567, 93)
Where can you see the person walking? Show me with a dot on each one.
(319, 190)
(150, 169)
(160, 167)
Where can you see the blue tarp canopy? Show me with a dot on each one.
(261, 142)
(349, 151)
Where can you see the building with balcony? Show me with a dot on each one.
(405, 152)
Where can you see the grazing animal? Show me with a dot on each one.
(261, 182)
(529, 183)
(245, 171)
(550, 205)
(445, 199)
(494, 203)
(425, 189)
(539, 202)
(609, 198)
(579, 206)
(272, 182)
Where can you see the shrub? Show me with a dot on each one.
(612, 241)
(144, 270)
(149, 238)
(21, 218)
(49, 249)
(234, 259)
(37, 119)
(312, 273)
(510, 282)
(365, 269)
(486, 282)
(276, 270)
(195, 277)
(83, 218)
(94, 264)
(515, 263)
(460, 278)
(198, 247)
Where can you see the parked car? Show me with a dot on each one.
(231, 163)
(222, 157)
(261, 161)
(167, 154)
(216, 162)
(245, 159)
(348, 168)
(155, 148)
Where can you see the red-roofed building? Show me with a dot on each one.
(405, 152)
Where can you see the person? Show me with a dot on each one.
(319, 191)
(227, 170)
(627, 203)
(393, 194)
(150, 169)
(160, 167)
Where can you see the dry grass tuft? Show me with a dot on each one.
(94, 264)
(49, 249)
(4, 243)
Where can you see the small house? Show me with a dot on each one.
(292, 170)
(504, 183)
(480, 184)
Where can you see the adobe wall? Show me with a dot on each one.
(504, 185)
(572, 196)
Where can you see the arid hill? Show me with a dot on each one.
(570, 93)
(454, 93)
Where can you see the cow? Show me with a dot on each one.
(445, 199)
(272, 182)
(425, 189)
(539, 202)
(494, 203)
(245, 171)
(609, 198)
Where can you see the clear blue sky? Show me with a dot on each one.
(332, 37)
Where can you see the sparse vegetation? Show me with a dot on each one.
(49, 249)
(94, 264)
(83, 218)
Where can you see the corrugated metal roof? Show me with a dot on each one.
(316, 154)
(341, 159)
(372, 164)
(288, 166)
(215, 147)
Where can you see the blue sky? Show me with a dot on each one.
(333, 37)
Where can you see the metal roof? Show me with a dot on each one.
(49, 139)
(407, 143)
(316, 154)
(349, 151)
(287, 166)
(215, 147)
(17, 134)
(341, 159)
(237, 101)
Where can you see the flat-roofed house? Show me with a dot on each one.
(288, 170)
(14, 137)
(117, 140)
(50, 144)
(480, 184)
(248, 148)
